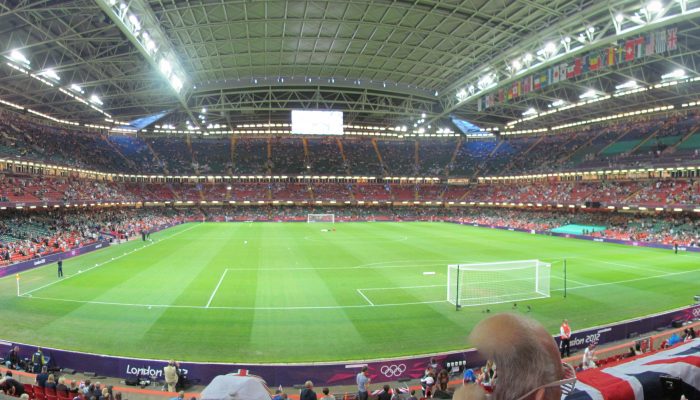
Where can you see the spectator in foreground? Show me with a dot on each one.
(11, 387)
(326, 394)
(385, 394)
(51, 382)
(529, 364)
(42, 377)
(308, 392)
(61, 386)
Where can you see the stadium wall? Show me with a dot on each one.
(340, 373)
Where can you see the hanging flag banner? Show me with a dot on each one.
(653, 43)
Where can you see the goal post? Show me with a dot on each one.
(497, 282)
(328, 218)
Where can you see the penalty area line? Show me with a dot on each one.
(216, 288)
(365, 297)
(280, 308)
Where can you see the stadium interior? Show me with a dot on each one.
(263, 139)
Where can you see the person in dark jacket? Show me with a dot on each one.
(308, 392)
(385, 394)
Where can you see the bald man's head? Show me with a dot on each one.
(526, 357)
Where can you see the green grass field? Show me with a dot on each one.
(296, 294)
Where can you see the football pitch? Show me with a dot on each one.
(293, 292)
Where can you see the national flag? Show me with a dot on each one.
(555, 74)
(570, 71)
(650, 44)
(584, 63)
(562, 71)
(501, 96)
(537, 84)
(639, 47)
(578, 66)
(479, 103)
(661, 41)
(639, 378)
(629, 50)
(594, 61)
(490, 100)
(543, 80)
(527, 84)
(672, 39)
(609, 56)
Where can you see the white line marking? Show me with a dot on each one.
(429, 273)
(570, 280)
(364, 297)
(622, 265)
(628, 280)
(216, 288)
(402, 287)
(108, 303)
(106, 262)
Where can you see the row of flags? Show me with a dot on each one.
(652, 43)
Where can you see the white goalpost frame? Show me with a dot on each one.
(497, 282)
(312, 218)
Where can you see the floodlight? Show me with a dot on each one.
(51, 74)
(529, 111)
(527, 57)
(517, 65)
(676, 74)
(589, 94)
(550, 48)
(76, 88)
(557, 103)
(165, 66)
(15, 55)
(619, 18)
(176, 83)
(95, 99)
(627, 85)
(590, 29)
(135, 22)
(204, 110)
(654, 7)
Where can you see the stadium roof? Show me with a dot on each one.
(386, 61)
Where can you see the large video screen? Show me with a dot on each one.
(305, 122)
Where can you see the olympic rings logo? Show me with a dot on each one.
(393, 371)
(696, 312)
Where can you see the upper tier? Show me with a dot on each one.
(657, 141)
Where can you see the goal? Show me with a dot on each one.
(497, 282)
(320, 218)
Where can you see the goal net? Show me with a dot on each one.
(497, 282)
(320, 218)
